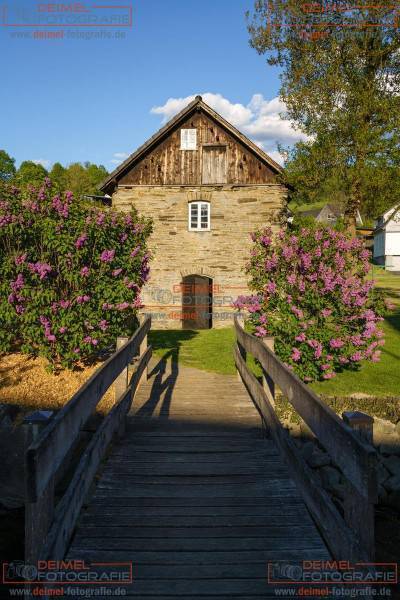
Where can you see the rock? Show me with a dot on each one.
(382, 494)
(306, 431)
(382, 430)
(392, 463)
(13, 441)
(382, 472)
(330, 477)
(318, 458)
(339, 490)
(393, 500)
(307, 450)
(393, 483)
(391, 445)
(295, 430)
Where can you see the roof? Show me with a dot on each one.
(196, 104)
(391, 212)
(316, 211)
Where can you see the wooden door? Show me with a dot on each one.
(214, 164)
(196, 302)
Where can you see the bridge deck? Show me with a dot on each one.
(194, 495)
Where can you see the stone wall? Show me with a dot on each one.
(219, 254)
(386, 440)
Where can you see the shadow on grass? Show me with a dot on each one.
(170, 340)
(394, 319)
(168, 344)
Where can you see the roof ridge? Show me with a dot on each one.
(198, 101)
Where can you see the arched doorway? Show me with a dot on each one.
(196, 302)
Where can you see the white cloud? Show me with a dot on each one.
(119, 157)
(42, 161)
(260, 119)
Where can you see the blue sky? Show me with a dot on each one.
(98, 99)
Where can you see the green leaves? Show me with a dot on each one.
(46, 304)
(342, 90)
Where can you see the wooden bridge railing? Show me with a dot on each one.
(48, 528)
(349, 537)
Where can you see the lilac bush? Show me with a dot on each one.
(71, 276)
(312, 294)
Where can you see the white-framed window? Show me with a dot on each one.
(199, 216)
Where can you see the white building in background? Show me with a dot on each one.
(387, 239)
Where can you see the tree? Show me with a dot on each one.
(7, 166)
(341, 86)
(31, 173)
(58, 177)
(84, 178)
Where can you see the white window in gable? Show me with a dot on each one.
(199, 216)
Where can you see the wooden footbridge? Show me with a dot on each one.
(195, 482)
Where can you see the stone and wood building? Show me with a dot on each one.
(206, 186)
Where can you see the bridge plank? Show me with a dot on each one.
(92, 518)
(199, 511)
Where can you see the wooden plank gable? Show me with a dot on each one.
(219, 158)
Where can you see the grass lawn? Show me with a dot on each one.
(375, 379)
(211, 350)
(207, 349)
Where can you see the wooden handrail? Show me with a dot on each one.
(48, 529)
(357, 459)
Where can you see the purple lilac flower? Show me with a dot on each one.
(296, 354)
(135, 251)
(116, 272)
(103, 325)
(19, 260)
(80, 242)
(42, 269)
(101, 217)
(107, 255)
(61, 208)
(85, 271)
(329, 375)
(123, 305)
(18, 284)
(271, 287)
(336, 343)
(42, 194)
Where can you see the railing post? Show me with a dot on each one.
(142, 348)
(359, 511)
(268, 383)
(362, 423)
(38, 519)
(121, 382)
(120, 385)
(243, 353)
